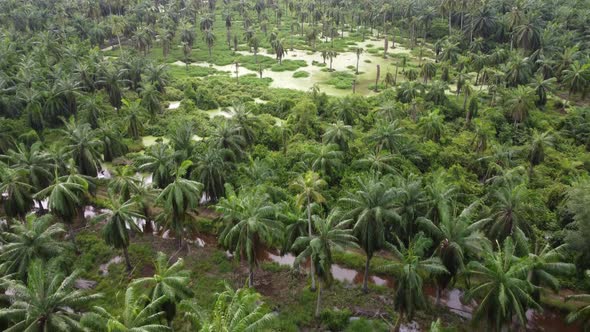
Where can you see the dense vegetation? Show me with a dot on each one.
(222, 165)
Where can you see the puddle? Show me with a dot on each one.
(104, 268)
(412, 326)
(91, 211)
(84, 284)
(452, 299)
(174, 105)
(151, 140)
(548, 320)
(340, 273)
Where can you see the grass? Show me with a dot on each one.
(341, 80)
(300, 74)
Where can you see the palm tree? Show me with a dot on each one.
(539, 142)
(187, 34)
(331, 55)
(36, 239)
(254, 225)
(179, 199)
(134, 117)
(158, 160)
(279, 49)
(124, 183)
(504, 289)
(519, 102)
(210, 169)
(228, 136)
(378, 162)
(388, 135)
(358, 51)
(113, 80)
(546, 264)
(340, 134)
(66, 198)
(84, 147)
(577, 78)
(170, 282)
(411, 268)
(120, 218)
(308, 187)
(542, 87)
(428, 71)
(371, 208)
(18, 198)
(518, 71)
(432, 125)
(35, 162)
(582, 313)
(150, 99)
(209, 38)
(136, 316)
(508, 214)
(331, 234)
(325, 160)
(236, 311)
(157, 75)
(118, 25)
(528, 36)
(245, 121)
(458, 239)
(47, 302)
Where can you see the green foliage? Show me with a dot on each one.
(300, 74)
(335, 320)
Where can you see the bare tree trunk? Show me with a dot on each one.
(366, 277)
(250, 276)
(127, 260)
(312, 268)
(377, 79)
(317, 305)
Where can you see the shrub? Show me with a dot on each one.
(335, 320)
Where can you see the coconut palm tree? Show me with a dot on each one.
(371, 208)
(528, 36)
(325, 159)
(577, 78)
(503, 288)
(180, 198)
(158, 160)
(508, 214)
(120, 218)
(209, 38)
(546, 264)
(65, 198)
(308, 187)
(150, 99)
(542, 87)
(582, 314)
(387, 135)
(236, 311)
(411, 268)
(340, 134)
(133, 113)
(170, 282)
(34, 161)
(124, 182)
(46, 302)
(255, 226)
(36, 238)
(331, 233)
(17, 198)
(458, 239)
(432, 125)
(539, 142)
(519, 102)
(227, 135)
(211, 169)
(83, 145)
(136, 316)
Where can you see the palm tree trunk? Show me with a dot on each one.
(250, 276)
(450, 30)
(72, 236)
(119, 41)
(366, 277)
(358, 57)
(317, 305)
(312, 267)
(127, 260)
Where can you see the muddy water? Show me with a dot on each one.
(340, 273)
(174, 105)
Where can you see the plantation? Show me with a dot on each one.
(294, 165)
